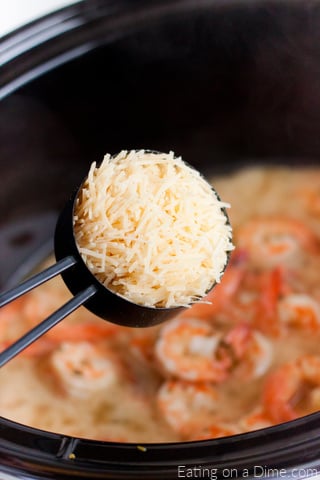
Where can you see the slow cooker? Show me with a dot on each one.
(224, 83)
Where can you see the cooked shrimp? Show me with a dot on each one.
(12, 322)
(187, 407)
(299, 310)
(13, 325)
(255, 420)
(82, 369)
(40, 303)
(190, 349)
(287, 392)
(83, 331)
(141, 342)
(272, 285)
(310, 197)
(187, 348)
(220, 297)
(252, 351)
(275, 240)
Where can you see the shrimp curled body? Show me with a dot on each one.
(82, 369)
(293, 389)
(299, 310)
(190, 349)
(186, 406)
(275, 240)
(186, 349)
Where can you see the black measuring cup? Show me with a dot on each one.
(86, 289)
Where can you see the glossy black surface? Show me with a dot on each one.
(222, 83)
(291, 447)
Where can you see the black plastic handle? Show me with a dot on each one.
(36, 280)
(46, 325)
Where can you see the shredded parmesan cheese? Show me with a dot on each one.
(151, 229)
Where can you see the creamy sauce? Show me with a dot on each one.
(126, 408)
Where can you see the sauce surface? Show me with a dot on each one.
(248, 360)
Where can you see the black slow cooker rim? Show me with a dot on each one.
(36, 47)
(65, 34)
(54, 455)
(37, 450)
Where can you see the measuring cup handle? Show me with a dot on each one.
(46, 325)
(36, 280)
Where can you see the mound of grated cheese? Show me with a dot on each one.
(151, 229)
